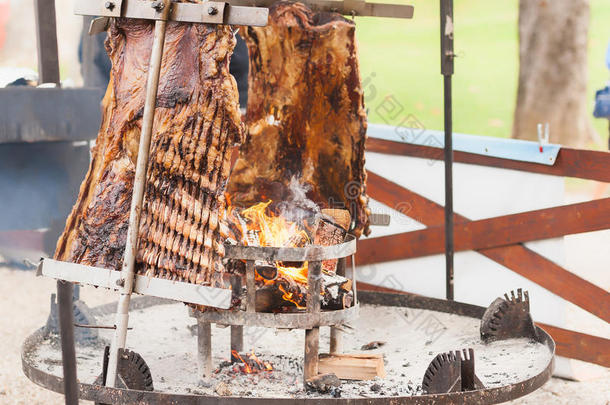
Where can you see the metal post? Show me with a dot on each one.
(237, 331)
(447, 55)
(204, 348)
(336, 335)
(66, 332)
(312, 336)
(46, 34)
(128, 271)
(250, 287)
(48, 72)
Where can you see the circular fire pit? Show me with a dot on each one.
(509, 369)
(311, 319)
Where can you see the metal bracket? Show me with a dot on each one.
(99, 25)
(209, 12)
(358, 8)
(157, 287)
(102, 8)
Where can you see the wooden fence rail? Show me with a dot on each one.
(578, 163)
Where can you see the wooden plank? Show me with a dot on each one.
(578, 163)
(553, 277)
(579, 346)
(518, 258)
(352, 366)
(492, 232)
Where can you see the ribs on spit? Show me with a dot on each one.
(305, 116)
(196, 124)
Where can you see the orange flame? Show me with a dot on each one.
(288, 297)
(252, 364)
(260, 228)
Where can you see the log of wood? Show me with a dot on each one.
(197, 121)
(305, 116)
(352, 366)
(331, 230)
(285, 293)
(323, 383)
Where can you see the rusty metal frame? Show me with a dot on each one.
(292, 254)
(302, 320)
(123, 396)
(355, 8)
(209, 12)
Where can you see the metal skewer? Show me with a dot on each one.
(128, 269)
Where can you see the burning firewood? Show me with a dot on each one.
(325, 383)
(283, 285)
(331, 230)
(306, 119)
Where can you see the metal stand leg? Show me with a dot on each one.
(312, 343)
(336, 340)
(66, 332)
(204, 348)
(312, 336)
(237, 332)
(237, 338)
(336, 335)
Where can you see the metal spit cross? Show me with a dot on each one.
(162, 11)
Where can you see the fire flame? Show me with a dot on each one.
(288, 297)
(251, 364)
(263, 229)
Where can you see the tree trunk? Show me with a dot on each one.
(553, 71)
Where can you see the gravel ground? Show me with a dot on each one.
(20, 316)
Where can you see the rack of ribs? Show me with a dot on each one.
(305, 116)
(196, 125)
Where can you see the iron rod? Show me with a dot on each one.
(312, 336)
(46, 35)
(48, 70)
(128, 271)
(250, 287)
(237, 331)
(446, 15)
(336, 334)
(204, 348)
(66, 332)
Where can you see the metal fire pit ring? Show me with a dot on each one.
(124, 396)
(294, 320)
(292, 254)
(302, 320)
(310, 320)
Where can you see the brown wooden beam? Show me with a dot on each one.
(579, 346)
(517, 257)
(491, 232)
(578, 163)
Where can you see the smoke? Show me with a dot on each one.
(297, 207)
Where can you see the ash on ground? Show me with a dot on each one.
(164, 336)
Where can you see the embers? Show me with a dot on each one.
(249, 363)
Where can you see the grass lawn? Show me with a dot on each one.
(401, 74)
